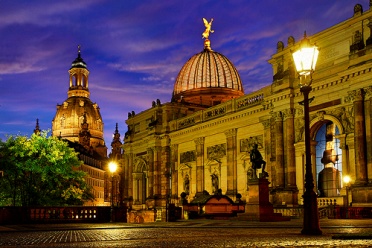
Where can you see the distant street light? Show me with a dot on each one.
(305, 60)
(347, 180)
(112, 167)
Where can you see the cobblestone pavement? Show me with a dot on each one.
(187, 234)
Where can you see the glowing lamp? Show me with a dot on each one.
(346, 179)
(305, 57)
(112, 167)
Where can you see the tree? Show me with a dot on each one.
(41, 171)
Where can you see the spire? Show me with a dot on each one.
(37, 128)
(78, 77)
(79, 62)
(116, 144)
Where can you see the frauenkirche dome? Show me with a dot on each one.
(208, 78)
(78, 119)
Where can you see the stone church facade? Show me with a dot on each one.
(200, 141)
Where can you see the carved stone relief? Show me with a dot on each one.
(216, 152)
(140, 165)
(346, 117)
(299, 128)
(246, 144)
(189, 156)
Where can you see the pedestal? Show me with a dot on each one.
(258, 206)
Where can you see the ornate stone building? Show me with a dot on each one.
(200, 141)
(78, 120)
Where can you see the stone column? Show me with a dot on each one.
(174, 169)
(165, 172)
(128, 174)
(137, 186)
(150, 175)
(289, 152)
(368, 120)
(156, 171)
(231, 155)
(199, 142)
(267, 148)
(313, 144)
(280, 173)
(345, 154)
(359, 137)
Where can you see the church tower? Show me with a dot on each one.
(78, 119)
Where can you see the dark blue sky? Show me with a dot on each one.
(135, 49)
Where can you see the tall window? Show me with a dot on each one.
(328, 156)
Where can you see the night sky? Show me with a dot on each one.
(135, 49)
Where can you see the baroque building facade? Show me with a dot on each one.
(78, 121)
(200, 141)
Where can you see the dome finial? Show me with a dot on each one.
(79, 50)
(205, 34)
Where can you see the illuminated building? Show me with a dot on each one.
(200, 141)
(78, 120)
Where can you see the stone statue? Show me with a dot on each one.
(186, 184)
(215, 183)
(208, 30)
(257, 161)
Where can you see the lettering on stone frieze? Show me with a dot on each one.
(216, 152)
(186, 123)
(215, 112)
(329, 53)
(346, 117)
(247, 144)
(189, 156)
(248, 101)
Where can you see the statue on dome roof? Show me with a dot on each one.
(208, 28)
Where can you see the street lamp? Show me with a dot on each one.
(305, 60)
(112, 167)
(347, 180)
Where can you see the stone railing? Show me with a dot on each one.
(222, 109)
(293, 212)
(60, 214)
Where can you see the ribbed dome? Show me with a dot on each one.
(207, 78)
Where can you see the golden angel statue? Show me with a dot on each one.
(208, 26)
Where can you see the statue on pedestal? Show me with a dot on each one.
(257, 162)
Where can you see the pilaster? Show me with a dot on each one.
(231, 162)
(199, 142)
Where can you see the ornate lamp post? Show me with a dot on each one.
(112, 167)
(305, 60)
